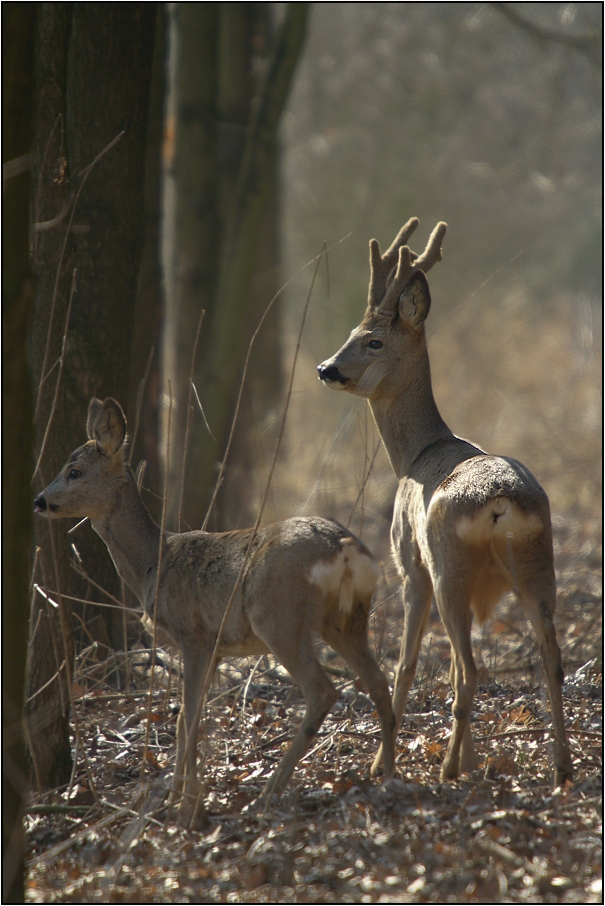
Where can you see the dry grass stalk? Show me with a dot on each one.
(157, 588)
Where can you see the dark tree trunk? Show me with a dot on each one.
(94, 70)
(18, 31)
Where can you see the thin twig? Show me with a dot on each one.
(201, 408)
(140, 393)
(245, 369)
(192, 740)
(189, 411)
(527, 731)
(66, 651)
(364, 482)
(59, 376)
(157, 584)
(41, 174)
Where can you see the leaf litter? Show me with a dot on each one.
(498, 835)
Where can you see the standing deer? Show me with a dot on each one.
(467, 526)
(305, 575)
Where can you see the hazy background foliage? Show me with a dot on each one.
(449, 111)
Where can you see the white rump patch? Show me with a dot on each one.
(498, 518)
(350, 575)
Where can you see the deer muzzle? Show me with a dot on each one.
(331, 376)
(42, 507)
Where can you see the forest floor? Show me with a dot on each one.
(500, 834)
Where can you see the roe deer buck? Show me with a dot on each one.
(467, 526)
(305, 575)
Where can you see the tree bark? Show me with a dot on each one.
(17, 434)
(94, 68)
(239, 256)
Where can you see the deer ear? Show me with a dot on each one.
(415, 301)
(109, 429)
(94, 407)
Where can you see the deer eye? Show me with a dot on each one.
(74, 474)
(375, 344)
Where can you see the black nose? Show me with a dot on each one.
(39, 503)
(329, 373)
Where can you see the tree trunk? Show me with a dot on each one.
(239, 257)
(94, 69)
(17, 434)
(191, 229)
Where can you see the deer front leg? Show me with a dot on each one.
(417, 595)
(195, 662)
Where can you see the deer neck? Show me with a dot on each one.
(132, 538)
(409, 421)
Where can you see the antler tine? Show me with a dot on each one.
(379, 273)
(409, 263)
(401, 239)
(432, 253)
(382, 267)
(393, 270)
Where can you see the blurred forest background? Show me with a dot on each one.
(164, 160)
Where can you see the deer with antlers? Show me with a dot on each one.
(467, 526)
(304, 576)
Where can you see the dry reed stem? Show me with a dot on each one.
(192, 740)
(86, 601)
(219, 480)
(189, 411)
(41, 175)
(85, 174)
(69, 666)
(140, 393)
(79, 569)
(157, 584)
(365, 480)
(462, 306)
(60, 375)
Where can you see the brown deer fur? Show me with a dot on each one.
(305, 575)
(467, 526)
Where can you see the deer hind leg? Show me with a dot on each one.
(352, 645)
(417, 596)
(297, 655)
(538, 599)
(457, 618)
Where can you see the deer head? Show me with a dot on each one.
(84, 485)
(390, 339)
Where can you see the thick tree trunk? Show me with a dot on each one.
(239, 257)
(94, 70)
(191, 227)
(18, 23)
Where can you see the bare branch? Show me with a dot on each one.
(589, 43)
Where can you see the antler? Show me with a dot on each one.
(389, 273)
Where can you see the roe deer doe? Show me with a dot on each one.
(305, 575)
(467, 526)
